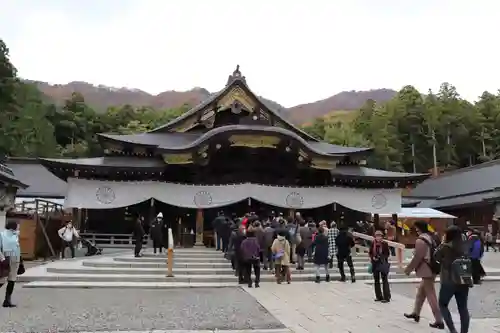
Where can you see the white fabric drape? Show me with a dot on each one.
(94, 194)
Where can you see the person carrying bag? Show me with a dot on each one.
(10, 260)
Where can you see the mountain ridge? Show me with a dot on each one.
(100, 97)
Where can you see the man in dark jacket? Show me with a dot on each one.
(156, 232)
(217, 225)
(344, 243)
(138, 236)
(237, 237)
(225, 233)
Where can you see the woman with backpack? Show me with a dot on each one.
(425, 267)
(456, 278)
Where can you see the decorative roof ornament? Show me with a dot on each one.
(236, 75)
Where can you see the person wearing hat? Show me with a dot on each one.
(156, 233)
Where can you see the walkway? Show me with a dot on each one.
(345, 308)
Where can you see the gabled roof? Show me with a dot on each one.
(235, 80)
(40, 182)
(8, 177)
(462, 187)
(170, 142)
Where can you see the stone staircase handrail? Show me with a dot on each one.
(398, 246)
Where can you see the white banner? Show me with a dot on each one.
(95, 194)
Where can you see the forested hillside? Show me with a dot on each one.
(411, 132)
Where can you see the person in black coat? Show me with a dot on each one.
(344, 243)
(156, 232)
(138, 236)
(321, 257)
(379, 256)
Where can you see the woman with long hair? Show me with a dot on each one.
(456, 278)
(10, 256)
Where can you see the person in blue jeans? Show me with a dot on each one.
(454, 283)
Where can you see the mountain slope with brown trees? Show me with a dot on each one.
(101, 97)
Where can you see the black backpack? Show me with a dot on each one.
(461, 269)
(433, 264)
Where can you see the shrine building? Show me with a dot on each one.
(231, 152)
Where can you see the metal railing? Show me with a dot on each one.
(400, 248)
(112, 240)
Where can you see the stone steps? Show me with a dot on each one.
(186, 260)
(194, 265)
(192, 268)
(309, 269)
(269, 277)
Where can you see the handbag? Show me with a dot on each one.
(370, 268)
(21, 269)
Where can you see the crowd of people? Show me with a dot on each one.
(277, 243)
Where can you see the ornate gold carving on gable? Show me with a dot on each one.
(303, 154)
(254, 141)
(237, 94)
(185, 158)
(203, 149)
(208, 119)
(323, 163)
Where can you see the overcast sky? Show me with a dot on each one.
(291, 51)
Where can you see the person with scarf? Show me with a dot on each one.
(10, 251)
(250, 253)
(379, 259)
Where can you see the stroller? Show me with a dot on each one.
(92, 249)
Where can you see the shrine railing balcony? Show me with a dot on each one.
(113, 240)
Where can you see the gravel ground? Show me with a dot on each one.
(74, 310)
(484, 300)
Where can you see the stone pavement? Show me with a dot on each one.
(346, 308)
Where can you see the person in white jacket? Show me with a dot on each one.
(69, 235)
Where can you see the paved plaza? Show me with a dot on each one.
(349, 308)
(126, 302)
(301, 307)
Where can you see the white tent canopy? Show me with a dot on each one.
(423, 213)
(95, 194)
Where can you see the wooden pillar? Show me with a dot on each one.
(199, 227)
